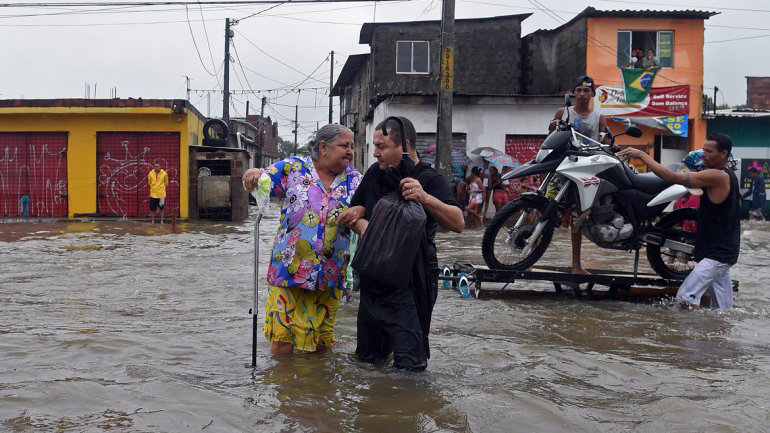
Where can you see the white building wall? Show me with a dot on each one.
(485, 123)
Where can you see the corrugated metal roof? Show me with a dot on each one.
(746, 112)
(591, 12)
(648, 13)
(100, 103)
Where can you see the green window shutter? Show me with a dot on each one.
(624, 48)
(666, 49)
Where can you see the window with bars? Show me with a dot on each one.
(412, 57)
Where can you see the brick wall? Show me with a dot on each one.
(758, 93)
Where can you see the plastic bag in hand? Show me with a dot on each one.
(386, 252)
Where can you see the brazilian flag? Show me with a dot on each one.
(638, 83)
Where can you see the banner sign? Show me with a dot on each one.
(660, 102)
(675, 124)
(763, 165)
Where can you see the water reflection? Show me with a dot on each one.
(333, 392)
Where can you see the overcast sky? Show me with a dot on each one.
(146, 51)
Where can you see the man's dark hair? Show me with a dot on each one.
(724, 142)
(395, 130)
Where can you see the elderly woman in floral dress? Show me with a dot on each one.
(310, 252)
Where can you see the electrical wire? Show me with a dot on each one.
(206, 32)
(276, 59)
(167, 3)
(192, 35)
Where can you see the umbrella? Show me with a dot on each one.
(458, 157)
(485, 151)
(503, 159)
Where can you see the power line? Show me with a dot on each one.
(244, 91)
(206, 32)
(238, 58)
(257, 13)
(192, 35)
(169, 3)
(276, 59)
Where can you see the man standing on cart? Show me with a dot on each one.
(587, 122)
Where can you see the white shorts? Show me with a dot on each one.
(708, 276)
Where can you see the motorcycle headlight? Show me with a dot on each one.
(542, 154)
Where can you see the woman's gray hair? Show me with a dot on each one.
(327, 133)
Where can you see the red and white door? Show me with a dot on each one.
(123, 161)
(523, 147)
(33, 174)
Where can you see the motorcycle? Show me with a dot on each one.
(615, 207)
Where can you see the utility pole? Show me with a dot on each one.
(716, 89)
(187, 80)
(296, 127)
(247, 110)
(445, 91)
(331, 85)
(262, 130)
(226, 92)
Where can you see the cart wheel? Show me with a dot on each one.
(464, 286)
(477, 289)
(446, 272)
(557, 287)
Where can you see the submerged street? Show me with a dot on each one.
(124, 326)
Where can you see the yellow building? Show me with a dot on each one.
(69, 157)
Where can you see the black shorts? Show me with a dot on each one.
(155, 204)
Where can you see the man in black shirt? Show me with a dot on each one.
(718, 237)
(393, 319)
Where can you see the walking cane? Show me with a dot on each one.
(262, 194)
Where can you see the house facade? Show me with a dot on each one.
(64, 157)
(600, 43)
(399, 76)
(508, 87)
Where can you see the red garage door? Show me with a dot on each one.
(33, 174)
(523, 147)
(123, 161)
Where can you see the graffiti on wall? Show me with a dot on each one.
(122, 180)
(33, 175)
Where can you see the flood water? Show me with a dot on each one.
(124, 326)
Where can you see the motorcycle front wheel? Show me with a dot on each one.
(680, 226)
(504, 243)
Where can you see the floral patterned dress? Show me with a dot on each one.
(309, 251)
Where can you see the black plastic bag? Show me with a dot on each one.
(387, 251)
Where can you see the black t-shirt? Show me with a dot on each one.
(377, 183)
(719, 226)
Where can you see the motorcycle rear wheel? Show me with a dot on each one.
(502, 245)
(682, 224)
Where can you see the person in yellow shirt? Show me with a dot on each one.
(158, 181)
